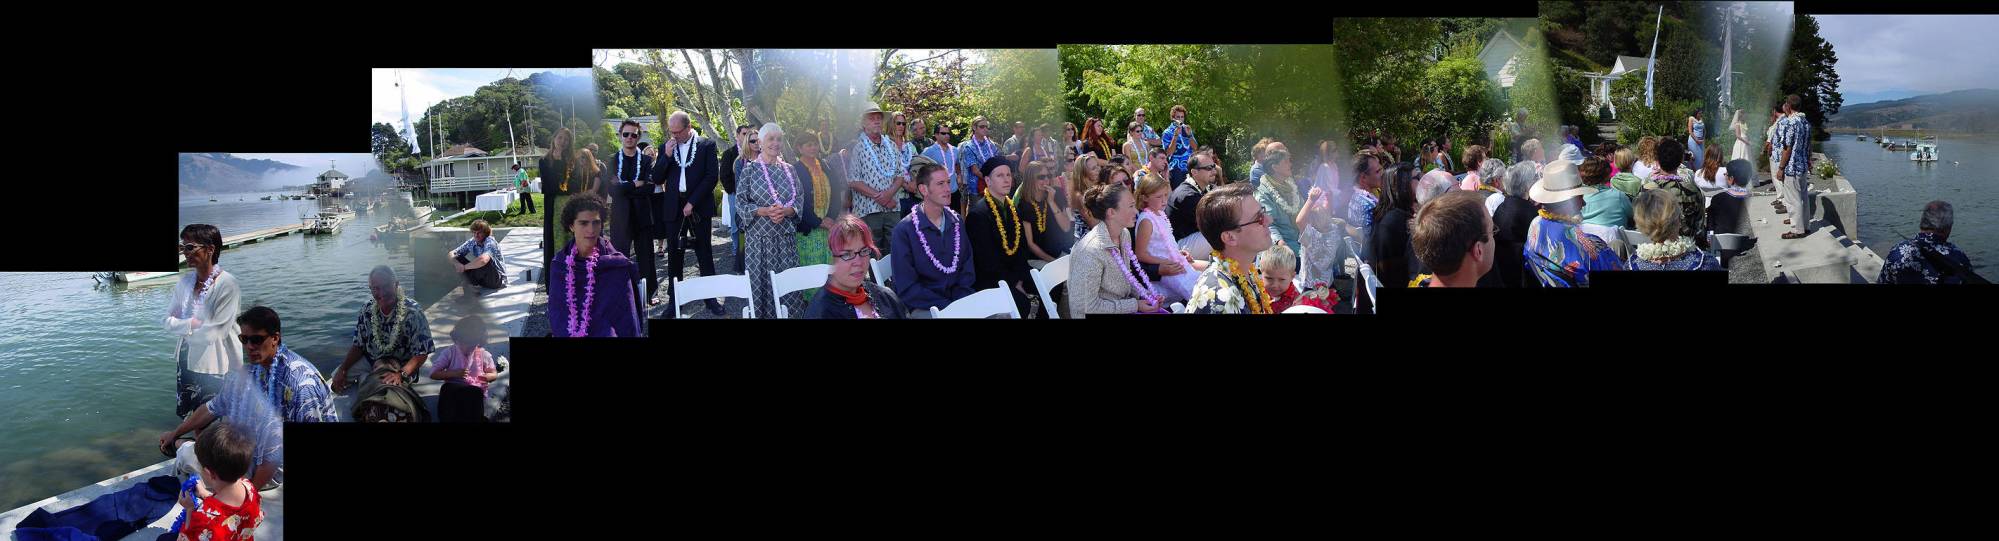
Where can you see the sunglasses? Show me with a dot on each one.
(253, 340)
(1260, 217)
(849, 255)
(902, 123)
(629, 135)
(185, 247)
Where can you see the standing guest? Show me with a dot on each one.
(873, 175)
(584, 170)
(1658, 216)
(466, 369)
(1558, 252)
(521, 185)
(1368, 165)
(1151, 137)
(684, 188)
(392, 333)
(1156, 244)
(1426, 159)
(918, 136)
(1186, 197)
(1072, 140)
(1648, 159)
(589, 289)
(732, 162)
(1444, 155)
(478, 259)
(1492, 175)
(1475, 158)
(1231, 220)
(1741, 131)
(1105, 277)
(199, 319)
(1014, 143)
(1179, 142)
(906, 143)
(1280, 270)
(1575, 137)
(998, 237)
(942, 153)
(1794, 156)
(1389, 251)
(773, 199)
(978, 148)
(1279, 197)
(1454, 240)
(1930, 258)
(848, 294)
(554, 187)
(1256, 154)
(923, 278)
(1693, 213)
(1511, 221)
(1044, 149)
(1626, 181)
(1530, 151)
(1696, 137)
(1136, 148)
(1040, 211)
(632, 203)
(1605, 207)
(820, 192)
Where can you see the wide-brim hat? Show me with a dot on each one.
(872, 109)
(1559, 183)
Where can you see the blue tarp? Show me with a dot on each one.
(111, 516)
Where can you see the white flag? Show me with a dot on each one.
(1652, 61)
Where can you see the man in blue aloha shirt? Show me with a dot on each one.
(1794, 154)
(276, 386)
(1179, 142)
(1906, 262)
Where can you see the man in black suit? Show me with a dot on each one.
(685, 181)
(632, 204)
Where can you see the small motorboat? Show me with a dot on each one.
(1925, 152)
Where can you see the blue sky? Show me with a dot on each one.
(1885, 57)
(425, 86)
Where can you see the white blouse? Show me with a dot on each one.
(212, 347)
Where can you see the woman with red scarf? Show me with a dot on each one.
(848, 293)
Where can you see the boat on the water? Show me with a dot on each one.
(140, 277)
(326, 223)
(343, 211)
(1925, 152)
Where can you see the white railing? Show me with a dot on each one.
(478, 183)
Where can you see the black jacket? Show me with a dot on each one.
(702, 176)
(631, 206)
(1510, 222)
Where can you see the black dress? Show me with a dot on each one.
(990, 262)
(1510, 222)
(1392, 250)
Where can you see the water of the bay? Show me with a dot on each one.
(1894, 189)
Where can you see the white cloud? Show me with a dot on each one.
(1923, 53)
(424, 87)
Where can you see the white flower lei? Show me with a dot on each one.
(1665, 251)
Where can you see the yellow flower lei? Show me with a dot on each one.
(1259, 300)
(998, 224)
(1571, 220)
(1040, 218)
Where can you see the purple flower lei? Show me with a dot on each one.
(579, 325)
(957, 242)
(772, 187)
(1145, 291)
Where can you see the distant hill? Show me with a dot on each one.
(219, 172)
(1969, 111)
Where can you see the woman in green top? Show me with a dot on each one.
(1626, 182)
(1605, 207)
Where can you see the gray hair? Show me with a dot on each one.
(1520, 178)
(1937, 216)
(769, 128)
(1491, 170)
(384, 273)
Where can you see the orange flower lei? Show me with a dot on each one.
(1252, 286)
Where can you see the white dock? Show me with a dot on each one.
(232, 241)
(273, 504)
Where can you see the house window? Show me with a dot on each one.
(480, 166)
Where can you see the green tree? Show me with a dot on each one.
(1809, 73)
(1460, 99)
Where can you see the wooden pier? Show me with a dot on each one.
(233, 241)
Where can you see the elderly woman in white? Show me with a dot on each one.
(203, 318)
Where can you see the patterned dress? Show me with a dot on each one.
(768, 246)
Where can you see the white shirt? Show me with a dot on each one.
(212, 348)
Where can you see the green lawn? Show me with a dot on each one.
(495, 219)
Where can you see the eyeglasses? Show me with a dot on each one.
(1258, 220)
(252, 340)
(630, 135)
(186, 247)
(849, 255)
(984, 126)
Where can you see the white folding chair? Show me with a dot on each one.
(1179, 308)
(1304, 309)
(1371, 282)
(979, 305)
(882, 268)
(796, 279)
(1046, 278)
(1634, 238)
(711, 287)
